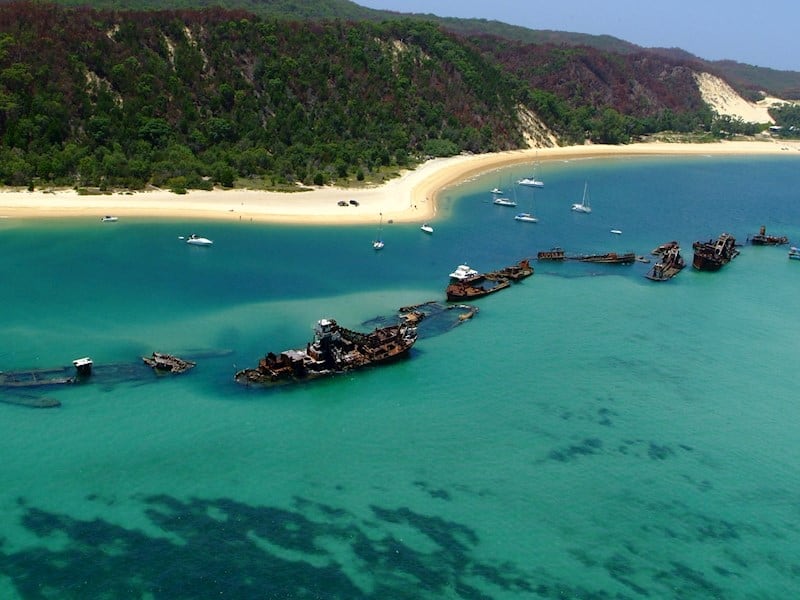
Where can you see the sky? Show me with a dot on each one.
(764, 35)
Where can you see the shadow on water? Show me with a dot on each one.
(224, 548)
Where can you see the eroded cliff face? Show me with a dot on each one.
(534, 131)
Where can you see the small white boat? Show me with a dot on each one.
(377, 243)
(196, 240)
(583, 205)
(109, 219)
(794, 253)
(427, 228)
(526, 218)
(616, 231)
(463, 272)
(504, 202)
(497, 191)
(531, 182)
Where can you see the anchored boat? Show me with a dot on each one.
(483, 284)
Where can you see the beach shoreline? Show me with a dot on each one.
(411, 197)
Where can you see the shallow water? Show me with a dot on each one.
(588, 434)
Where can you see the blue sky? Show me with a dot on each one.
(750, 32)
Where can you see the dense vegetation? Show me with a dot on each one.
(196, 98)
(748, 80)
(176, 97)
(787, 118)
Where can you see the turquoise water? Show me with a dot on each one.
(590, 434)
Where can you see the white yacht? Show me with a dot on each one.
(195, 240)
(526, 218)
(583, 205)
(531, 182)
(464, 272)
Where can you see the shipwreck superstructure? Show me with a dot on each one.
(335, 349)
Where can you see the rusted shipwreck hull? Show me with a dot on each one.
(335, 349)
(488, 283)
(714, 254)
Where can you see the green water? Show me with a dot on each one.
(589, 434)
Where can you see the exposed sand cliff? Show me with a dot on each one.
(725, 101)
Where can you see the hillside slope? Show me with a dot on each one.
(192, 98)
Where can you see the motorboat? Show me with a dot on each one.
(378, 245)
(794, 252)
(526, 218)
(427, 228)
(463, 273)
(109, 219)
(504, 202)
(497, 191)
(196, 240)
(616, 231)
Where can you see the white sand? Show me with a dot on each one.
(409, 198)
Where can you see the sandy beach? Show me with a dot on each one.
(408, 198)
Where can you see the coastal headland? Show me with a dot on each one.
(411, 197)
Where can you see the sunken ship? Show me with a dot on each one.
(335, 349)
(671, 262)
(483, 284)
(762, 239)
(714, 254)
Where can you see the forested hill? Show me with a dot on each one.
(194, 98)
(749, 80)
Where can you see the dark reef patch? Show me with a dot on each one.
(225, 548)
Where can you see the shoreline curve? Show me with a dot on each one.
(408, 198)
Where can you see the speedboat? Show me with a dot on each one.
(377, 245)
(427, 228)
(195, 240)
(616, 231)
(504, 202)
(464, 272)
(794, 252)
(109, 219)
(497, 191)
(526, 218)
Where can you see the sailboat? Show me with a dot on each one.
(583, 205)
(377, 243)
(526, 217)
(501, 200)
(532, 181)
